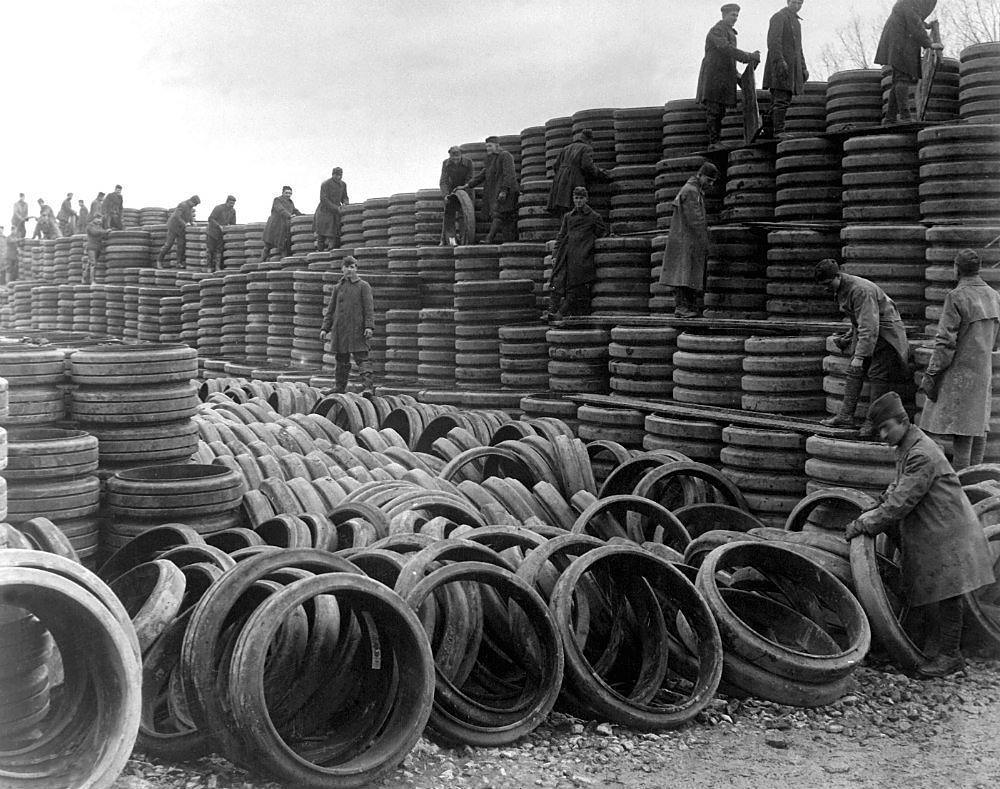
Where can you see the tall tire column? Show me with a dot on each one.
(622, 284)
(792, 290)
(578, 360)
(708, 370)
(768, 466)
(784, 375)
(641, 361)
(979, 83)
(33, 380)
(736, 278)
(808, 180)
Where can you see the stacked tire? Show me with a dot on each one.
(641, 361)
(960, 174)
(375, 222)
(578, 360)
(853, 100)
(436, 348)
(351, 233)
(280, 316)
(437, 276)
(671, 175)
(733, 125)
(558, 134)
(519, 260)
(524, 357)
(698, 440)
(33, 378)
(891, 256)
(684, 128)
(979, 83)
(210, 316)
(622, 276)
(750, 186)
(708, 370)
(308, 305)
(638, 135)
(624, 426)
(865, 466)
(661, 297)
(403, 219)
(402, 344)
(532, 153)
(481, 307)
(836, 363)
(792, 290)
(881, 179)
(807, 112)
(534, 222)
(428, 216)
(768, 466)
(633, 204)
(807, 180)
(736, 283)
(784, 375)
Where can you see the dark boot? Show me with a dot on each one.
(855, 380)
(901, 91)
(949, 659)
(875, 390)
(961, 452)
(978, 450)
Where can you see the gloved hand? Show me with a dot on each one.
(842, 341)
(368, 334)
(861, 525)
(929, 385)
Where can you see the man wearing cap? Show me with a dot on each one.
(500, 192)
(574, 167)
(181, 217)
(456, 171)
(66, 216)
(46, 225)
(97, 234)
(573, 258)
(717, 78)
(958, 379)
(97, 204)
(82, 217)
(944, 550)
(326, 220)
(899, 48)
(785, 71)
(278, 230)
(348, 324)
(877, 335)
(19, 217)
(687, 243)
(113, 209)
(222, 215)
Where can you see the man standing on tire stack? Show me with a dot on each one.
(899, 48)
(348, 324)
(113, 209)
(181, 217)
(67, 216)
(97, 204)
(945, 553)
(574, 167)
(222, 215)
(97, 234)
(687, 243)
(573, 259)
(717, 78)
(278, 230)
(785, 71)
(501, 191)
(456, 171)
(82, 217)
(877, 335)
(326, 220)
(19, 218)
(958, 379)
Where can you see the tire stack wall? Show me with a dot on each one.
(784, 375)
(308, 305)
(234, 314)
(853, 100)
(403, 219)
(524, 357)
(255, 349)
(302, 235)
(943, 103)
(699, 440)
(437, 276)
(733, 129)
(532, 153)
(623, 425)
(708, 369)
(633, 203)
(641, 359)
(807, 112)
(684, 129)
(195, 247)
(893, 257)
(671, 175)
(638, 135)
(768, 466)
(835, 366)
(622, 276)
(979, 83)
(33, 382)
(736, 282)
(792, 292)
(210, 316)
(750, 186)
(520, 260)
(351, 233)
(280, 316)
(436, 350)
(807, 180)
(428, 216)
(960, 174)
(661, 297)
(45, 308)
(534, 222)
(253, 242)
(401, 346)
(372, 260)
(233, 253)
(375, 222)
(578, 360)
(881, 179)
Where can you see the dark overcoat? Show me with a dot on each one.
(223, 214)
(785, 66)
(181, 217)
(903, 36)
(717, 78)
(455, 174)
(573, 259)
(278, 229)
(326, 220)
(498, 176)
(350, 311)
(574, 166)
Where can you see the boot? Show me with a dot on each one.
(949, 659)
(961, 452)
(901, 90)
(978, 450)
(855, 380)
(778, 121)
(875, 390)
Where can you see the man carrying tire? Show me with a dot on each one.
(500, 192)
(878, 338)
(944, 550)
(958, 379)
(785, 71)
(899, 48)
(573, 259)
(348, 324)
(574, 167)
(326, 220)
(181, 217)
(222, 215)
(686, 254)
(717, 78)
(456, 171)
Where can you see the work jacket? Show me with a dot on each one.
(717, 78)
(573, 259)
(332, 195)
(574, 166)
(687, 243)
(498, 176)
(223, 214)
(181, 217)
(873, 314)
(455, 174)
(903, 36)
(350, 311)
(278, 229)
(785, 66)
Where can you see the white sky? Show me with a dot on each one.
(175, 97)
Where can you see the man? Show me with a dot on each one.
(348, 324)
(82, 217)
(113, 208)
(877, 334)
(181, 217)
(97, 234)
(573, 259)
(717, 79)
(66, 216)
(97, 204)
(686, 254)
(46, 225)
(278, 230)
(456, 170)
(574, 167)
(944, 551)
(899, 48)
(19, 217)
(326, 220)
(785, 70)
(500, 193)
(222, 215)
(958, 379)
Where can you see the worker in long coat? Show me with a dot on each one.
(97, 204)
(573, 268)
(97, 235)
(685, 257)
(326, 220)
(717, 78)
(278, 230)
(903, 36)
(348, 324)
(499, 193)
(958, 379)
(877, 337)
(46, 225)
(574, 167)
(66, 216)
(82, 217)
(944, 550)
(457, 170)
(785, 71)
(114, 209)
(222, 215)
(19, 217)
(180, 218)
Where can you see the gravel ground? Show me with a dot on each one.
(891, 730)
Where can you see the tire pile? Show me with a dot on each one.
(661, 297)
(792, 291)
(768, 466)
(853, 100)
(622, 279)
(641, 361)
(750, 186)
(32, 391)
(736, 280)
(708, 370)
(784, 375)
(960, 174)
(638, 135)
(860, 465)
(524, 357)
(671, 175)
(893, 257)
(633, 203)
(578, 360)
(807, 113)
(979, 86)
(807, 180)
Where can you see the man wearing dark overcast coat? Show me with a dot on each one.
(899, 48)
(326, 220)
(785, 71)
(573, 258)
(223, 214)
(717, 78)
(499, 193)
(457, 170)
(574, 167)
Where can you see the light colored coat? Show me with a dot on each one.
(687, 245)
(873, 314)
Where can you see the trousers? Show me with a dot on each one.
(715, 111)
(174, 236)
(503, 228)
(780, 101)
(899, 97)
(342, 374)
(214, 248)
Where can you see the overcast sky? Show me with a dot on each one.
(175, 97)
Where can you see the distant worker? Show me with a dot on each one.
(877, 338)
(114, 209)
(785, 71)
(348, 325)
(46, 225)
(899, 48)
(686, 255)
(67, 216)
(958, 379)
(457, 170)
(574, 167)
(573, 268)
(278, 230)
(97, 204)
(181, 217)
(944, 553)
(97, 234)
(500, 192)
(717, 79)
(19, 217)
(326, 220)
(222, 215)
(82, 217)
